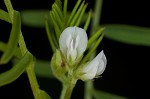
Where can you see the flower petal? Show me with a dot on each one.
(90, 70)
(82, 40)
(102, 62)
(90, 74)
(73, 39)
(95, 67)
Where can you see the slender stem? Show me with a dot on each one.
(97, 14)
(22, 44)
(64, 88)
(30, 69)
(10, 9)
(23, 48)
(33, 80)
(95, 23)
(68, 88)
(88, 89)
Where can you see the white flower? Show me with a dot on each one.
(95, 68)
(73, 42)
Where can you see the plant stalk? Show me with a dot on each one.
(68, 88)
(30, 69)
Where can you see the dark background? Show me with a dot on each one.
(127, 70)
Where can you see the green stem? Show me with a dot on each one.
(97, 14)
(30, 69)
(33, 81)
(88, 89)
(23, 48)
(22, 44)
(68, 88)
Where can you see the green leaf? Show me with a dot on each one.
(93, 48)
(128, 34)
(57, 18)
(87, 23)
(58, 3)
(93, 43)
(58, 10)
(56, 27)
(12, 74)
(94, 37)
(65, 8)
(106, 95)
(73, 12)
(81, 15)
(50, 37)
(43, 69)
(13, 39)
(4, 16)
(43, 95)
(30, 17)
(34, 18)
(77, 14)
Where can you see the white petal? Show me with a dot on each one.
(102, 62)
(65, 39)
(95, 67)
(101, 68)
(82, 40)
(75, 39)
(89, 73)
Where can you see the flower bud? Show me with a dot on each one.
(58, 65)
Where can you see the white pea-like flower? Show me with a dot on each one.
(73, 42)
(94, 68)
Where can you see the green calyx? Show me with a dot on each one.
(58, 65)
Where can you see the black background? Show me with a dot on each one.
(127, 70)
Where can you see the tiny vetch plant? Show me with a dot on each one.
(68, 41)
